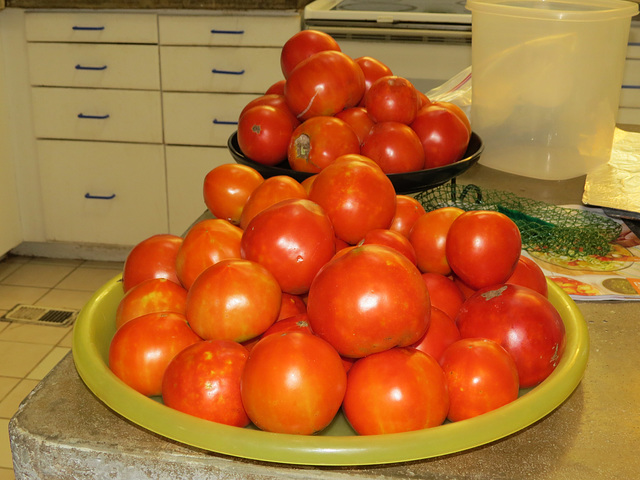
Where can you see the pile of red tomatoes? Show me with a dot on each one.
(329, 105)
(298, 300)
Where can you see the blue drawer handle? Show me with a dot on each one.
(98, 117)
(227, 32)
(99, 197)
(82, 67)
(228, 72)
(223, 122)
(76, 27)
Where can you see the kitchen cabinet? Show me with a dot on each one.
(629, 112)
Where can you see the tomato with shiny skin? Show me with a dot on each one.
(276, 87)
(373, 69)
(153, 257)
(295, 323)
(429, 239)
(234, 299)
(481, 376)
(324, 84)
(392, 99)
(302, 45)
(150, 296)
(444, 136)
(271, 191)
(367, 300)
(390, 238)
(445, 294)
(291, 305)
(408, 210)
(318, 141)
(264, 133)
(529, 274)
(524, 322)
(483, 247)
(203, 380)
(207, 242)
(358, 119)
(442, 332)
(357, 196)
(457, 110)
(227, 188)
(293, 383)
(395, 147)
(273, 100)
(293, 239)
(142, 348)
(398, 390)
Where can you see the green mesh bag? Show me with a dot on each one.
(544, 227)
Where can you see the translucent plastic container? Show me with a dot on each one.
(546, 82)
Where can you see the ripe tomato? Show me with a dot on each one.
(442, 333)
(367, 300)
(324, 84)
(150, 296)
(143, 347)
(358, 119)
(392, 99)
(293, 239)
(270, 192)
(302, 45)
(524, 322)
(395, 147)
(398, 390)
(293, 383)
(318, 141)
(227, 188)
(207, 242)
(204, 380)
(356, 195)
(529, 274)
(390, 238)
(306, 183)
(153, 257)
(273, 100)
(373, 69)
(424, 100)
(277, 88)
(481, 377)
(408, 210)
(295, 323)
(444, 293)
(264, 132)
(443, 135)
(457, 110)
(482, 247)
(291, 305)
(234, 300)
(429, 238)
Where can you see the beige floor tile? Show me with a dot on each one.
(18, 359)
(101, 264)
(3, 324)
(67, 341)
(38, 275)
(6, 385)
(72, 262)
(5, 447)
(60, 298)
(27, 333)
(50, 361)
(7, 267)
(11, 295)
(7, 474)
(88, 278)
(9, 404)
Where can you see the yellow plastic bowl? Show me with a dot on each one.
(337, 445)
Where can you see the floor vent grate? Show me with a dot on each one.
(34, 314)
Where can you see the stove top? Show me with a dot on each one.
(421, 6)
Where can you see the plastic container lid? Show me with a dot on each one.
(566, 10)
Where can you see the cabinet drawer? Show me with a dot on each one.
(85, 114)
(219, 69)
(201, 118)
(186, 169)
(130, 176)
(223, 29)
(91, 27)
(629, 116)
(92, 65)
(630, 97)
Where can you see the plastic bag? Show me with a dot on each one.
(456, 90)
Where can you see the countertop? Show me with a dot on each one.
(62, 431)
(164, 4)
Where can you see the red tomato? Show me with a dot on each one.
(429, 239)
(481, 377)
(293, 383)
(270, 192)
(524, 322)
(529, 274)
(293, 239)
(291, 305)
(373, 69)
(367, 300)
(318, 141)
(444, 293)
(442, 333)
(324, 84)
(306, 183)
(277, 88)
(358, 119)
(466, 290)
(398, 390)
(264, 133)
(207, 242)
(424, 100)
(233, 300)
(150, 296)
(392, 99)
(273, 100)
(302, 45)
(443, 135)
(390, 238)
(408, 210)
(227, 188)
(483, 247)
(143, 347)
(153, 257)
(295, 323)
(356, 195)
(395, 147)
(204, 380)
(457, 110)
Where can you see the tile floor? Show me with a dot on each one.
(28, 352)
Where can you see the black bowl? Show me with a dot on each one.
(404, 183)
